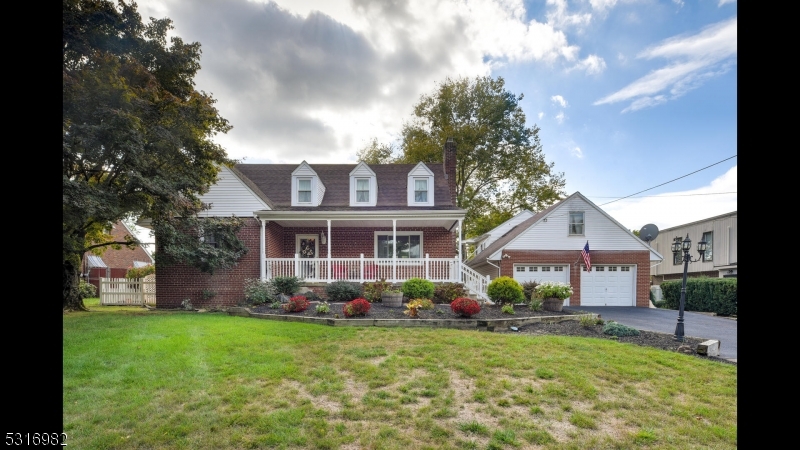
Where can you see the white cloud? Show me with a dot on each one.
(675, 208)
(560, 100)
(560, 117)
(576, 152)
(722, 2)
(541, 114)
(592, 64)
(558, 15)
(602, 5)
(679, 3)
(693, 60)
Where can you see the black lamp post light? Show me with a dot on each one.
(686, 247)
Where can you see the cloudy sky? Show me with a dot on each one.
(628, 94)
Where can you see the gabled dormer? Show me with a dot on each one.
(307, 188)
(363, 186)
(420, 186)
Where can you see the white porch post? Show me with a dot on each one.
(263, 246)
(329, 249)
(460, 240)
(297, 265)
(394, 249)
(427, 266)
(361, 265)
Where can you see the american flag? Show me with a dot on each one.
(586, 258)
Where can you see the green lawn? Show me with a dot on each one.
(137, 379)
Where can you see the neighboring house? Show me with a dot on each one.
(719, 233)
(327, 222)
(547, 247)
(114, 263)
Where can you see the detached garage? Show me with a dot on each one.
(547, 247)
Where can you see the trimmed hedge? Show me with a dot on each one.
(717, 295)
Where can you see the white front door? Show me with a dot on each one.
(307, 246)
(608, 285)
(542, 272)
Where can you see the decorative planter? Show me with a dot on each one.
(552, 304)
(392, 300)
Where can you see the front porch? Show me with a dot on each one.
(363, 269)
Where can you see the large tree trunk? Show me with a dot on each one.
(72, 273)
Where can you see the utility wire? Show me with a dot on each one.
(661, 196)
(670, 181)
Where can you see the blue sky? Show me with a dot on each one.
(627, 94)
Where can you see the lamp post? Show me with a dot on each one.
(685, 246)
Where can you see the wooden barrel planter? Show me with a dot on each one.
(392, 300)
(552, 304)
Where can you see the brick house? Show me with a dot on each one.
(114, 263)
(327, 222)
(546, 246)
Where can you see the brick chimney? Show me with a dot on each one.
(449, 166)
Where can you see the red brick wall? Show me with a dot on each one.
(573, 257)
(177, 282)
(351, 242)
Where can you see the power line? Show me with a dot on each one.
(670, 181)
(659, 196)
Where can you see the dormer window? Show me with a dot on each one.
(420, 186)
(304, 190)
(307, 188)
(363, 186)
(420, 190)
(362, 190)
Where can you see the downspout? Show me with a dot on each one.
(498, 267)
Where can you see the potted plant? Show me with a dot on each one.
(392, 298)
(553, 294)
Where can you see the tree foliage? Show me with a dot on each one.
(500, 166)
(137, 136)
(376, 153)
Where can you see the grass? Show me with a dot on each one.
(171, 380)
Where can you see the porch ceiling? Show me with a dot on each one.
(375, 223)
(371, 219)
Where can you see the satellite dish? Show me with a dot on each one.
(648, 232)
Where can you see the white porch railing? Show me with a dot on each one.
(363, 269)
(125, 291)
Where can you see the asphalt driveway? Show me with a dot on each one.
(664, 321)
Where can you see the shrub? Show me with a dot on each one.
(86, 290)
(425, 304)
(587, 321)
(507, 309)
(718, 295)
(660, 304)
(343, 291)
(286, 285)
(276, 304)
(413, 307)
(418, 288)
(296, 304)
(556, 289)
(257, 292)
(528, 289)
(465, 306)
(536, 304)
(357, 307)
(619, 330)
(140, 272)
(323, 308)
(374, 289)
(505, 290)
(445, 293)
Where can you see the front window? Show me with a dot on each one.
(421, 191)
(304, 191)
(576, 223)
(408, 246)
(677, 258)
(362, 190)
(708, 237)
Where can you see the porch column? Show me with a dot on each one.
(329, 250)
(460, 240)
(263, 246)
(394, 249)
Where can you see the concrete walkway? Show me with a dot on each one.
(664, 320)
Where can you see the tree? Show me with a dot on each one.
(500, 166)
(635, 233)
(137, 136)
(376, 153)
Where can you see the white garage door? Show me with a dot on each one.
(542, 272)
(607, 285)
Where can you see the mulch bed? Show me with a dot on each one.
(564, 328)
(378, 311)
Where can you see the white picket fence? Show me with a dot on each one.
(124, 291)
